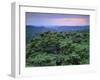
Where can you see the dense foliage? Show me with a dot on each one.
(58, 48)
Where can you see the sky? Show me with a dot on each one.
(54, 19)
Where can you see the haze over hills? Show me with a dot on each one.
(58, 28)
(32, 30)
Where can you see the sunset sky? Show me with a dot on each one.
(50, 19)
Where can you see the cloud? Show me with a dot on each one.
(69, 21)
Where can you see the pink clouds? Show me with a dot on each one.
(69, 21)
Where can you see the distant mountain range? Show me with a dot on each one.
(58, 28)
(32, 30)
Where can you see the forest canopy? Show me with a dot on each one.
(58, 48)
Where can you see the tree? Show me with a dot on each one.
(58, 48)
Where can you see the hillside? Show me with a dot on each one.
(32, 31)
(58, 48)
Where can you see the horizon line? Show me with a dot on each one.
(56, 25)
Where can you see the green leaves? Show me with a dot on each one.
(42, 59)
(58, 48)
